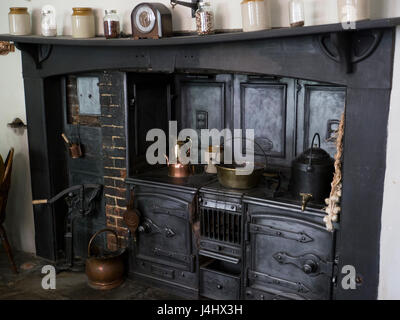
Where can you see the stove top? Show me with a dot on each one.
(267, 187)
(160, 176)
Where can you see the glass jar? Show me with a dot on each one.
(204, 19)
(296, 13)
(83, 25)
(255, 15)
(112, 27)
(19, 21)
(49, 24)
(353, 10)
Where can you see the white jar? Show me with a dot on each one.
(296, 13)
(353, 10)
(255, 15)
(83, 24)
(19, 21)
(49, 24)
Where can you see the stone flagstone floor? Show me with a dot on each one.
(69, 285)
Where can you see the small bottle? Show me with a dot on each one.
(296, 13)
(49, 24)
(19, 21)
(112, 26)
(204, 19)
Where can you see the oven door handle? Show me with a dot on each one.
(219, 256)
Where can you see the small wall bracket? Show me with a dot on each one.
(38, 52)
(350, 47)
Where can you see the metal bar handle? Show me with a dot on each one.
(312, 148)
(99, 232)
(257, 144)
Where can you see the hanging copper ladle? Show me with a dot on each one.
(75, 150)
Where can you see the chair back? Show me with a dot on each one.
(5, 185)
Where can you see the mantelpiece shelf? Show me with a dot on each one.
(217, 38)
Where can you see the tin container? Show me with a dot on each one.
(83, 23)
(19, 21)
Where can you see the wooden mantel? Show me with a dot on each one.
(194, 39)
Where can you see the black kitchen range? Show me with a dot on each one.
(208, 234)
(310, 94)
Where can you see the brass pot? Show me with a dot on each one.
(105, 272)
(230, 176)
(235, 176)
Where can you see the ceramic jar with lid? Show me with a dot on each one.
(255, 15)
(83, 23)
(19, 21)
(353, 10)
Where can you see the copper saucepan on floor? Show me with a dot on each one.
(106, 271)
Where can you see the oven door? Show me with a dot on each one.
(287, 257)
(164, 233)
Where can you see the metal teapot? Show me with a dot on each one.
(312, 174)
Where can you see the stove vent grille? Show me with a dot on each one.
(221, 225)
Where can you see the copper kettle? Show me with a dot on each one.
(107, 271)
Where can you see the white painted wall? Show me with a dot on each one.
(389, 284)
(20, 217)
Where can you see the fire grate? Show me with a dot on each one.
(221, 225)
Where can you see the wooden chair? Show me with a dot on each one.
(4, 189)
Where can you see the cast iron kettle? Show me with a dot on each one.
(312, 174)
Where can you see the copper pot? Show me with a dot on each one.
(105, 272)
(180, 170)
(75, 150)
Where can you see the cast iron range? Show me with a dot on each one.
(221, 217)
